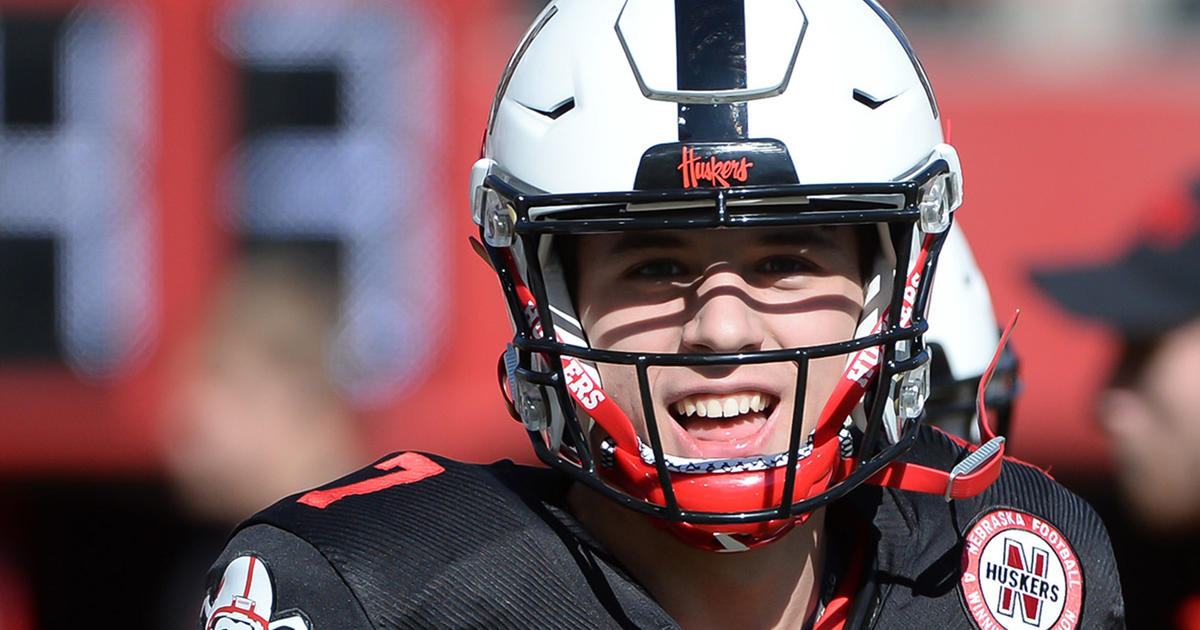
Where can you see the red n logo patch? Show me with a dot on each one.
(1023, 568)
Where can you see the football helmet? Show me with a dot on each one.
(635, 115)
(962, 338)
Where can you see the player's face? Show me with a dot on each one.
(723, 290)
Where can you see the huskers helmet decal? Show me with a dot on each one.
(677, 165)
(1020, 574)
(245, 599)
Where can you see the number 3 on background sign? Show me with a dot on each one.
(359, 166)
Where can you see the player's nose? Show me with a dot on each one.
(722, 317)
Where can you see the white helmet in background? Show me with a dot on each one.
(963, 335)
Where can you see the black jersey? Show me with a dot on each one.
(419, 541)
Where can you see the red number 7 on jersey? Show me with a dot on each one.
(413, 467)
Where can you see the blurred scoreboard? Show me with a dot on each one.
(142, 140)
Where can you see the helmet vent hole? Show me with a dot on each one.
(870, 101)
(557, 111)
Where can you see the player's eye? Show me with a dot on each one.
(659, 269)
(785, 265)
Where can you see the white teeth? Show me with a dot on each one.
(728, 406)
(685, 408)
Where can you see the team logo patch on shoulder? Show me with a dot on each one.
(245, 600)
(1020, 574)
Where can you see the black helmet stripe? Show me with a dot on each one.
(710, 54)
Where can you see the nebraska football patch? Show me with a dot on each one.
(1019, 573)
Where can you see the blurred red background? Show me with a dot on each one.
(1058, 165)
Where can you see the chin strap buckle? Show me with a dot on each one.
(968, 478)
(970, 465)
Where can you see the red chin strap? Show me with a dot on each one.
(756, 490)
(728, 492)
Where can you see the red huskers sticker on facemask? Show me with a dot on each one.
(1020, 574)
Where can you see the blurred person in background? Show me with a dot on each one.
(1150, 407)
(255, 414)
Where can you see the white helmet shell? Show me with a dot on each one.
(961, 320)
(571, 115)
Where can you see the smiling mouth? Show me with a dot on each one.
(727, 433)
(724, 418)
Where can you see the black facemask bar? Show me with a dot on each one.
(535, 215)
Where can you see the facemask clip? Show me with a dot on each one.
(528, 398)
(498, 218)
(935, 205)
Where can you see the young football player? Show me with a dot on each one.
(715, 226)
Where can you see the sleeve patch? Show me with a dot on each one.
(1019, 573)
(244, 600)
